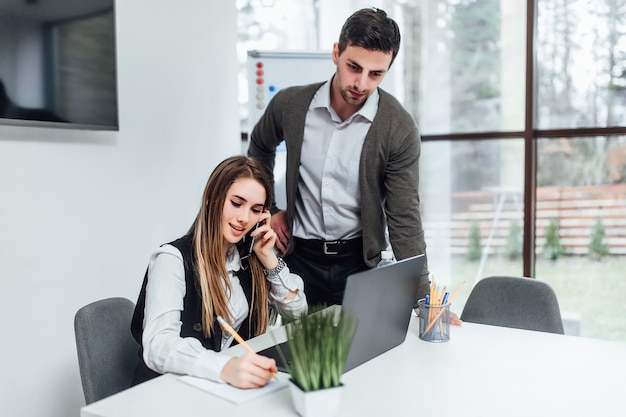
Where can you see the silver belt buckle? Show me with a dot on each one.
(328, 251)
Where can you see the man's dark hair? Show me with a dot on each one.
(371, 29)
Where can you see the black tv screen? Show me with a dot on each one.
(58, 63)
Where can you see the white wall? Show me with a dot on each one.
(80, 211)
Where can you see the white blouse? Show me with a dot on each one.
(164, 350)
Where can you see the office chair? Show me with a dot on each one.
(522, 303)
(107, 352)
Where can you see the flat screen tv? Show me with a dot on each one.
(58, 64)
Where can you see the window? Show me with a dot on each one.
(472, 210)
(581, 67)
(523, 168)
(464, 62)
(581, 229)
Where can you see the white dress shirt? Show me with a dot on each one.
(164, 350)
(329, 200)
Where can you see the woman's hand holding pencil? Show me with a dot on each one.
(248, 371)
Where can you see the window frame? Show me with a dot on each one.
(530, 135)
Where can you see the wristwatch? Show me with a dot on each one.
(273, 272)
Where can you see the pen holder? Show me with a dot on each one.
(434, 322)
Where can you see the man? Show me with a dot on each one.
(352, 164)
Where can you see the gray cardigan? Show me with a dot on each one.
(388, 172)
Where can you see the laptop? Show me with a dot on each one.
(382, 300)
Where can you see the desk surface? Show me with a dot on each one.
(483, 371)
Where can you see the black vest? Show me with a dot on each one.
(191, 316)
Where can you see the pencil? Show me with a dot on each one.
(234, 334)
(433, 299)
(238, 338)
(434, 320)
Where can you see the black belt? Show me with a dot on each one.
(331, 247)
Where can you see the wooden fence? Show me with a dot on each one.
(576, 208)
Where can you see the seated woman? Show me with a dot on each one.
(193, 280)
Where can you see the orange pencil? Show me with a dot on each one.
(455, 292)
(434, 320)
(238, 338)
(433, 286)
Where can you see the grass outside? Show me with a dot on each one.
(595, 290)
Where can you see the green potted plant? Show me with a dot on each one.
(318, 344)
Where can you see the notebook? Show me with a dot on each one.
(382, 300)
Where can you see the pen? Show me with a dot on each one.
(445, 298)
(434, 320)
(238, 338)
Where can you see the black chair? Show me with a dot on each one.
(522, 303)
(107, 352)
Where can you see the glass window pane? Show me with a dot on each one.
(581, 231)
(581, 71)
(462, 69)
(270, 25)
(473, 210)
(464, 64)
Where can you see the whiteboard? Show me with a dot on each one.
(270, 71)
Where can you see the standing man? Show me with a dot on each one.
(352, 164)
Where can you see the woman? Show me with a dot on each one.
(195, 279)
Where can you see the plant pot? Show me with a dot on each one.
(321, 403)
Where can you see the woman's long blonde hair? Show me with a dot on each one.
(209, 250)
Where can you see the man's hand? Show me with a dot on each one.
(278, 223)
(454, 319)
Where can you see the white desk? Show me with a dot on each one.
(483, 371)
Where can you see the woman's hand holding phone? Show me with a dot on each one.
(264, 248)
(264, 241)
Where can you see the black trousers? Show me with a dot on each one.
(325, 275)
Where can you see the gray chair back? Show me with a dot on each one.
(522, 303)
(107, 351)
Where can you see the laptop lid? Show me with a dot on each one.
(381, 300)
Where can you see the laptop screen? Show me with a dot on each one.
(381, 300)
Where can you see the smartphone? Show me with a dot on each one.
(247, 243)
